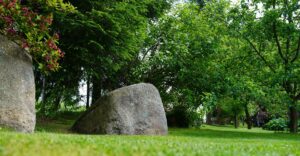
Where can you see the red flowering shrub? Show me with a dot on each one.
(32, 31)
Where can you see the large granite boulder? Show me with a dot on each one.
(17, 88)
(132, 110)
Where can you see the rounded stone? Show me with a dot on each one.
(17, 87)
(131, 110)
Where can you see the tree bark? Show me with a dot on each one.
(57, 102)
(208, 118)
(43, 96)
(293, 119)
(236, 121)
(88, 92)
(248, 118)
(96, 90)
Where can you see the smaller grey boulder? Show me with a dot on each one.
(131, 110)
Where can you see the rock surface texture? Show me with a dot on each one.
(131, 110)
(17, 88)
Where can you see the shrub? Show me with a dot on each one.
(279, 124)
(184, 117)
(178, 118)
(29, 26)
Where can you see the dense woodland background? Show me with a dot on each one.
(219, 60)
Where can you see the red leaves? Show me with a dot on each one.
(8, 20)
(11, 31)
(25, 45)
(53, 57)
(51, 44)
(9, 5)
(33, 29)
(25, 10)
(48, 20)
(12, 4)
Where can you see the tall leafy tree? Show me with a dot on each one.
(270, 29)
(179, 53)
(100, 40)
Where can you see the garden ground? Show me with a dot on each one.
(53, 138)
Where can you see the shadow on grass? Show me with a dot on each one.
(61, 123)
(232, 134)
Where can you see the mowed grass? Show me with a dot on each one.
(52, 138)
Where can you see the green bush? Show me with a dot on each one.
(178, 117)
(184, 117)
(279, 124)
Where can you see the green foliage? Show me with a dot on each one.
(279, 124)
(32, 31)
(101, 41)
(178, 55)
(202, 55)
(178, 117)
(270, 31)
(209, 102)
(231, 107)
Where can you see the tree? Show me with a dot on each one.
(179, 55)
(101, 41)
(270, 28)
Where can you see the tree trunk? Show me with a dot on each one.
(57, 102)
(96, 90)
(43, 96)
(218, 116)
(248, 118)
(293, 119)
(208, 118)
(88, 92)
(236, 121)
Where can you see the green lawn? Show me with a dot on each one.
(52, 138)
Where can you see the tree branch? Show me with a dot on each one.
(278, 44)
(259, 54)
(297, 51)
(154, 47)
